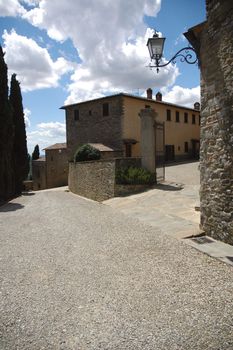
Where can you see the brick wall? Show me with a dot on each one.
(216, 153)
(92, 126)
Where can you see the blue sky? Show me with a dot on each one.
(65, 51)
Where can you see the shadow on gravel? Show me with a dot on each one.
(11, 207)
(165, 187)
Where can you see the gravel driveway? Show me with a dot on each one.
(75, 274)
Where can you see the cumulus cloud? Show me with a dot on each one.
(126, 71)
(182, 96)
(11, 8)
(33, 64)
(27, 115)
(46, 134)
(110, 38)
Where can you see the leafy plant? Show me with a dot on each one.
(134, 176)
(86, 153)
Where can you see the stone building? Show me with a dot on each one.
(213, 41)
(52, 170)
(114, 121)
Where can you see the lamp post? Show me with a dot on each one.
(155, 47)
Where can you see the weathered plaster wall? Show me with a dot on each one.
(216, 154)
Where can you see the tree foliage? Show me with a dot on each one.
(7, 169)
(86, 153)
(20, 152)
(36, 153)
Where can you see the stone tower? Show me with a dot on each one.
(213, 41)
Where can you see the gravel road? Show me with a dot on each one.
(78, 275)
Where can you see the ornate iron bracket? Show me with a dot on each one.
(188, 57)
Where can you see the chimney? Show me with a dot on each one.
(159, 96)
(149, 93)
(197, 106)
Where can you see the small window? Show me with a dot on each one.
(76, 114)
(147, 106)
(177, 117)
(186, 118)
(105, 109)
(193, 119)
(128, 150)
(186, 147)
(168, 115)
(90, 112)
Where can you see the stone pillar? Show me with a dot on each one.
(148, 116)
(216, 151)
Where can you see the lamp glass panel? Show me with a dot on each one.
(155, 46)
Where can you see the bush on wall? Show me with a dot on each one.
(86, 153)
(134, 176)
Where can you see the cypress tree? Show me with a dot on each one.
(7, 182)
(36, 153)
(20, 152)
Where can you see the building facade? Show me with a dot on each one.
(115, 122)
(52, 170)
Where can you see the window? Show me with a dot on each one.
(186, 118)
(193, 119)
(186, 147)
(177, 117)
(168, 115)
(76, 114)
(90, 112)
(128, 150)
(147, 106)
(105, 109)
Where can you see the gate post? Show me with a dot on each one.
(148, 143)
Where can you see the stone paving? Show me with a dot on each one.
(170, 206)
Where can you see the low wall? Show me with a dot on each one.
(96, 179)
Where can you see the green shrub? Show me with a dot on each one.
(86, 153)
(134, 176)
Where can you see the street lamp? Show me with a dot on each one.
(155, 47)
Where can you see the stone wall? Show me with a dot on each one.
(56, 167)
(216, 152)
(96, 179)
(39, 174)
(92, 126)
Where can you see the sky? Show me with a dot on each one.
(67, 51)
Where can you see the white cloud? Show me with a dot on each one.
(11, 8)
(27, 115)
(126, 71)
(110, 38)
(46, 134)
(182, 96)
(32, 63)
